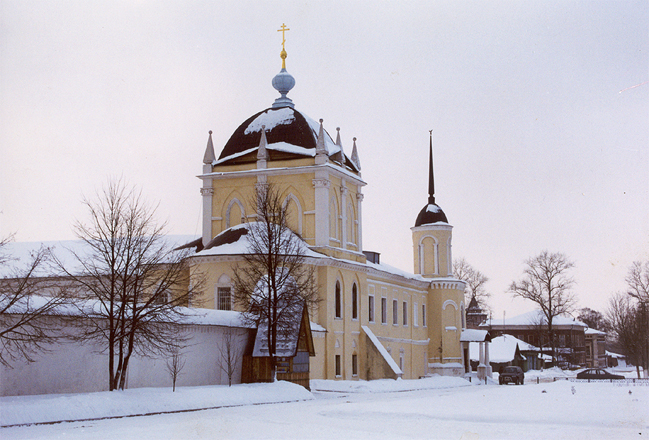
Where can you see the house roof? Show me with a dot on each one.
(287, 339)
(473, 335)
(531, 319)
(502, 349)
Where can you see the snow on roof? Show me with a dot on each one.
(241, 243)
(271, 118)
(531, 318)
(501, 349)
(592, 331)
(433, 208)
(290, 148)
(472, 335)
(614, 355)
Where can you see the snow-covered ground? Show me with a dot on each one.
(437, 408)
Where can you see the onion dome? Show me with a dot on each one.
(431, 213)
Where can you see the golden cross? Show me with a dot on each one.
(283, 30)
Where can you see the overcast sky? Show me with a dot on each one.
(541, 139)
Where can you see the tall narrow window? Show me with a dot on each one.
(370, 308)
(354, 365)
(405, 313)
(423, 315)
(338, 299)
(395, 312)
(338, 367)
(384, 310)
(415, 317)
(354, 302)
(462, 316)
(224, 298)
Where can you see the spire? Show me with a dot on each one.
(355, 157)
(320, 149)
(340, 155)
(431, 178)
(262, 154)
(209, 156)
(283, 82)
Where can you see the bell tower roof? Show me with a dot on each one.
(431, 213)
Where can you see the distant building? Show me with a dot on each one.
(595, 348)
(531, 327)
(474, 315)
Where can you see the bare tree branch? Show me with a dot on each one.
(638, 281)
(274, 280)
(29, 304)
(475, 281)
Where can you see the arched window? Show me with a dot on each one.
(234, 214)
(462, 316)
(293, 214)
(338, 300)
(449, 257)
(334, 230)
(351, 236)
(428, 255)
(354, 302)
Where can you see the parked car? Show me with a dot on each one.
(599, 374)
(512, 374)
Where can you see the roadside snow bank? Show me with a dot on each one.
(20, 410)
(388, 385)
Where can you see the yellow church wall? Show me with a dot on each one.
(407, 344)
(446, 305)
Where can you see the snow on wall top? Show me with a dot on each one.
(19, 253)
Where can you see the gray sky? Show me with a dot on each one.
(539, 141)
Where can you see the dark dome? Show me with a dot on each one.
(282, 125)
(430, 213)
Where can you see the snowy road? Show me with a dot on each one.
(590, 411)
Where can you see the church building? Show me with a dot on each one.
(373, 321)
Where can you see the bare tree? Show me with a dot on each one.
(475, 281)
(29, 306)
(638, 281)
(547, 283)
(132, 278)
(274, 281)
(626, 321)
(229, 354)
(175, 365)
(638, 287)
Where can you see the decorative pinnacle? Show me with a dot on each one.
(283, 54)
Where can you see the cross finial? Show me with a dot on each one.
(283, 30)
